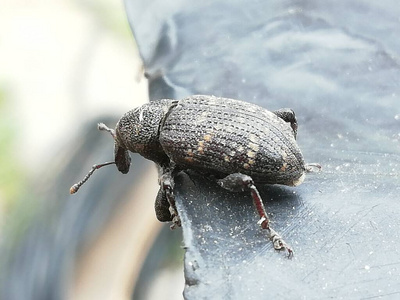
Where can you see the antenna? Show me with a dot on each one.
(103, 127)
(76, 186)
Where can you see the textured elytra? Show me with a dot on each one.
(212, 134)
(229, 136)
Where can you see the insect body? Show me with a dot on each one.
(238, 142)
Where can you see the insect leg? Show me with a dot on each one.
(239, 182)
(161, 207)
(167, 187)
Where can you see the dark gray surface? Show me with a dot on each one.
(336, 63)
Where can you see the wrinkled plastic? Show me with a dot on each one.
(336, 64)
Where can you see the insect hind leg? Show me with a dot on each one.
(238, 182)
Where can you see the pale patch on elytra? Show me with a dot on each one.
(246, 165)
(189, 159)
(251, 154)
(189, 152)
(141, 115)
(207, 137)
(284, 155)
(283, 168)
(254, 147)
(253, 138)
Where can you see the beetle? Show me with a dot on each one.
(239, 143)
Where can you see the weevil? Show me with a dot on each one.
(239, 143)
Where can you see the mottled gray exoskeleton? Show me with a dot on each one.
(238, 142)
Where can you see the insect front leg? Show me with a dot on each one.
(238, 182)
(161, 207)
(167, 192)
